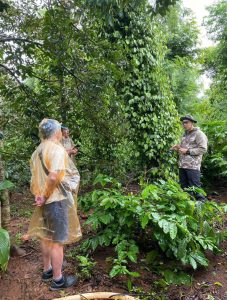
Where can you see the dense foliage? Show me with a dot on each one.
(117, 73)
(145, 90)
(104, 70)
(214, 106)
(162, 214)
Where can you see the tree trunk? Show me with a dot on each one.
(63, 102)
(4, 200)
(5, 209)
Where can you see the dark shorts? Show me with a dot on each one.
(55, 217)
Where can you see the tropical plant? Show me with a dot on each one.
(161, 213)
(86, 266)
(4, 249)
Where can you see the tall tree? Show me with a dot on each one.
(144, 90)
(182, 56)
(59, 67)
(100, 68)
(216, 57)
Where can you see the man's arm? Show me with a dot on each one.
(74, 150)
(72, 143)
(201, 148)
(55, 160)
(53, 180)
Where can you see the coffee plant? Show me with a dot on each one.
(161, 213)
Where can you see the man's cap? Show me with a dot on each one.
(189, 118)
(64, 127)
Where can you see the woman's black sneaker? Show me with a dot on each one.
(46, 276)
(63, 283)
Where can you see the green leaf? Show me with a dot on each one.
(106, 219)
(193, 262)
(173, 230)
(144, 221)
(82, 259)
(155, 216)
(200, 258)
(134, 274)
(150, 191)
(133, 251)
(207, 228)
(181, 251)
(5, 185)
(165, 225)
(132, 257)
(4, 249)
(94, 243)
(102, 179)
(129, 285)
(93, 219)
(151, 256)
(118, 270)
(177, 278)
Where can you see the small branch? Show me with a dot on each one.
(21, 85)
(43, 79)
(12, 74)
(9, 39)
(71, 73)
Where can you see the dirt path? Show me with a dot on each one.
(22, 280)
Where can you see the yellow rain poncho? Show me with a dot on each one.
(51, 157)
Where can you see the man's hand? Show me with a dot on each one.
(40, 200)
(183, 150)
(25, 237)
(74, 151)
(175, 147)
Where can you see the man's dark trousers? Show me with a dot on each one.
(189, 178)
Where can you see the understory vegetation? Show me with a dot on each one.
(162, 218)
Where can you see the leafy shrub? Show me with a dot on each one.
(215, 164)
(162, 213)
(15, 154)
(86, 266)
